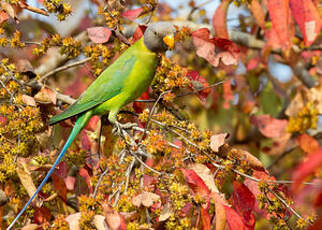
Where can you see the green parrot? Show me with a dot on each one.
(121, 83)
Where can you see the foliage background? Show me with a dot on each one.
(234, 144)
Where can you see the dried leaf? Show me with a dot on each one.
(114, 220)
(30, 227)
(308, 19)
(99, 34)
(25, 177)
(99, 222)
(251, 160)
(205, 174)
(60, 186)
(46, 96)
(73, 221)
(8, 8)
(132, 14)
(219, 20)
(220, 211)
(166, 212)
(28, 100)
(217, 140)
(145, 198)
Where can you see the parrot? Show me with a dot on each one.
(118, 85)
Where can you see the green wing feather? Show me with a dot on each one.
(107, 85)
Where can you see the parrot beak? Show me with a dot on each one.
(169, 41)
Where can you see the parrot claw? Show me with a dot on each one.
(120, 127)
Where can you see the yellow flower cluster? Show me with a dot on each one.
(58, 7)
(306, 118)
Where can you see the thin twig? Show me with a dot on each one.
(34, 9)
(286, 204)
(65, 67)
(99, 182)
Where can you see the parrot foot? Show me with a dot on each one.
(120, 127)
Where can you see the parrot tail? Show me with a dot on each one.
(79, 125)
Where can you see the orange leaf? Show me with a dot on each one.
(280, 15)
(3, 16)
(307, 143)
(219, 21)
(257, 11)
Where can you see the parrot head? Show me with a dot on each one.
(159, 36)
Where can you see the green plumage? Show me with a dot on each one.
(123, 81)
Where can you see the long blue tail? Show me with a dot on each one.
(79, 125)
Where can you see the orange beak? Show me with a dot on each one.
(169, 41)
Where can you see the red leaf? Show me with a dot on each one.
(99, 34)
(280, 15)
(308, 19)
(316, 225)
(219, 21)
(205, 218)
(307, 143)
(138, 33)
(60, 186)
(92, 124)
(227, 52)
(139, 106)
(197, 185)
(269, 126)
(62, 169)
(244, 202)
(234, 220)
(253, 187)
(86, 143)
(3, 120)
(84, 173)
(132, 14)
(313, 163)
(199, 82)
(42, 215)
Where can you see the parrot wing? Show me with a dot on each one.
(109, 84)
